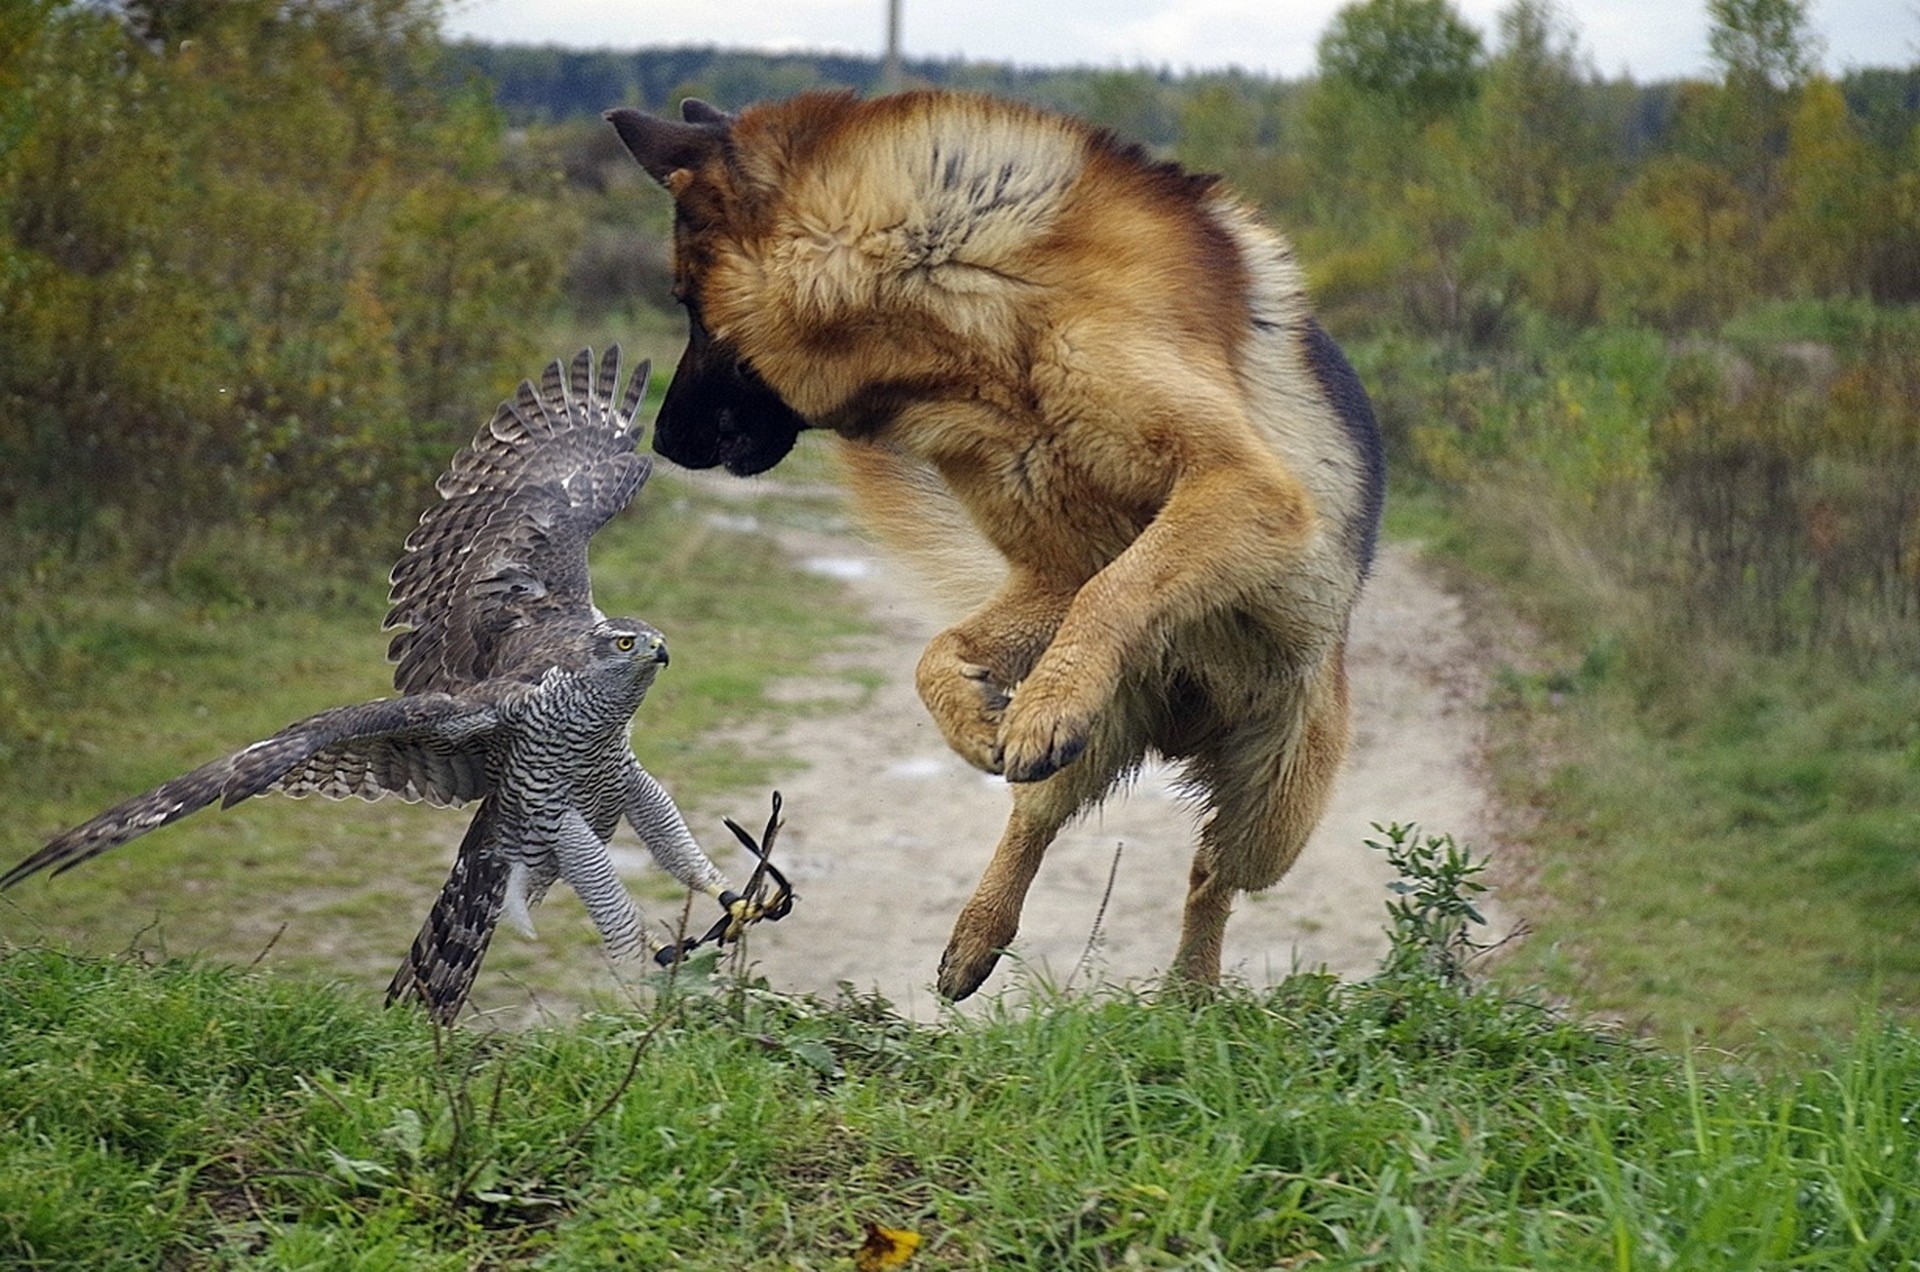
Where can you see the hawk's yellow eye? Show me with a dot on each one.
(623, 643)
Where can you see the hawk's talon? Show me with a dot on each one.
(740, 912)
(763, 871)
(743, 909)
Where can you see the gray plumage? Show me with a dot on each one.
(516, 692)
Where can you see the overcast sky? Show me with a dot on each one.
(1650, 39)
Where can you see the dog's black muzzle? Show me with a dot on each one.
(719, 412)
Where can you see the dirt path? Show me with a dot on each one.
(888, 830)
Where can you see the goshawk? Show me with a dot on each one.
(515, 691)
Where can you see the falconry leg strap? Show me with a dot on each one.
(767, 895)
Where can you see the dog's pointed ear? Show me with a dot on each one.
(695, 111)
(664, 146)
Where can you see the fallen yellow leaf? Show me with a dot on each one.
(885, 1248)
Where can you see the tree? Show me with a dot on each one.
(1542, 156)
(1417, 57)
(1765, 52)
(1132, 103)
(1387, 146)
(1761, 44)
(1681, 255)
(234, 238)
(1832, 201)
(1542, 144)
(1218, 126)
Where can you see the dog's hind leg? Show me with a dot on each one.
(1268, 782)
(991, 916)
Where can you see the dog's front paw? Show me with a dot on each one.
(967, 704)
(1034, 747)
(1049, 721)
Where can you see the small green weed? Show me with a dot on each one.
(1430, 924)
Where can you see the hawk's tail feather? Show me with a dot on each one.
(530, 412)
(567, 401)
(439, 971)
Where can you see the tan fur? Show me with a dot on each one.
(1047, 354)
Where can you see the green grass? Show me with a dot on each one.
(133, 684)
(1721, 843)
(1720, 851)
(1743, 865)
(186, 1115)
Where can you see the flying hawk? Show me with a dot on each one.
(516, 691)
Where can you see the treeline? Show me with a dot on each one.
(1703, 345)
(544, 84)
(262, 261)
(1529, 122)
(547, 84)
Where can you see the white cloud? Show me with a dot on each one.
(1213, 33)
(1653, 39)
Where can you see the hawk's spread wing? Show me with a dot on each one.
(509, 540)
(431, 746)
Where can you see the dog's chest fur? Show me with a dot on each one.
(1025, 306)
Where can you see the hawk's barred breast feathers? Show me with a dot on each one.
(515, 691)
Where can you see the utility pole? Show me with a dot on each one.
(890, 68)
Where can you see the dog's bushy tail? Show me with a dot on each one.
(906, 505)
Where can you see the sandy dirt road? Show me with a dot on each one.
(887, 830)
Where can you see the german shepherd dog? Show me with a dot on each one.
(1101, 372)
